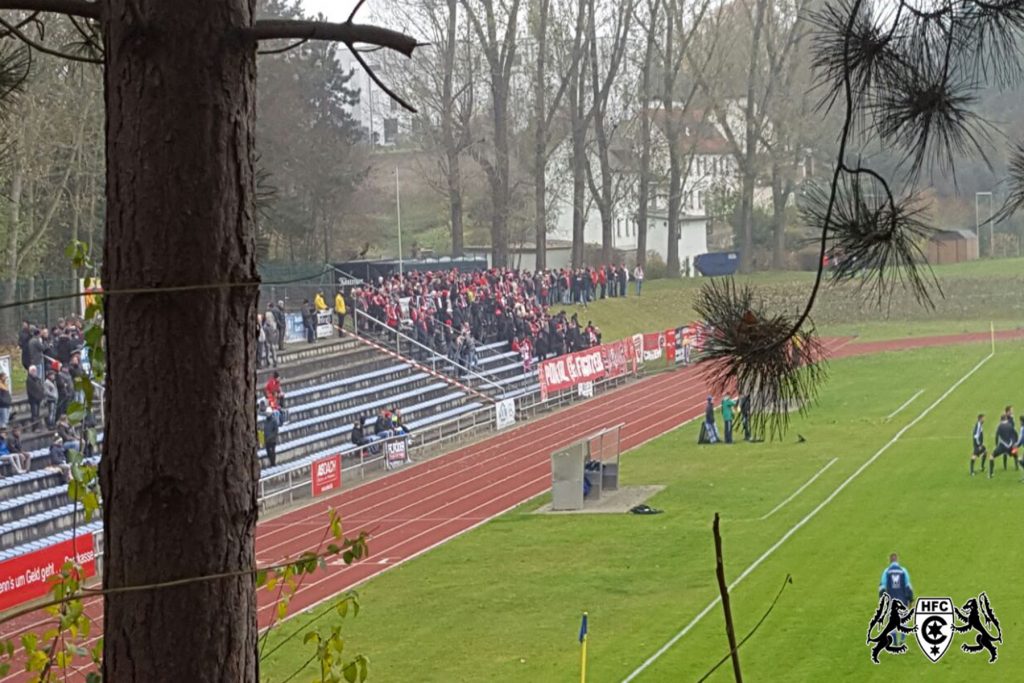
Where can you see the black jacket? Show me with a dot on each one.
(34, 388)
(1005, 434)
(270, 430)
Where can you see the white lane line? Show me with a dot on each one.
(797, 492)
(900, 409)
(810, 515)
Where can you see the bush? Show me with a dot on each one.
(656, 268)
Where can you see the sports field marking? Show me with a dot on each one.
(810, 515)
(900, 409)
(797, 492)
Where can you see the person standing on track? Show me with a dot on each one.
(895, 583)
(978, 444)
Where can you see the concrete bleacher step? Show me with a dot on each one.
(303, 439)
(432, 418)
(32, 503)
(293, 385)
(348, 407)
(40, 525)
(59, 537)
(308, 359)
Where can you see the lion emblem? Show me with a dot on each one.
(892, 615)
(977, 616)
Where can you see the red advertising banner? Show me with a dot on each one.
(326, 474)
(614, 357)
(27, 577)
(654, 344)
(565, 372)
(670, 346)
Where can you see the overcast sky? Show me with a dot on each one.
(336, 10)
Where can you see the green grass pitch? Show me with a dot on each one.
(503, 602)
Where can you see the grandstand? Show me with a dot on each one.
(327, 386)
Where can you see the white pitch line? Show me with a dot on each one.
(900, 409)
(796, 527)
(797, 492)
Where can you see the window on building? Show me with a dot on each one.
(390, 130)
(618, 227)
(394, 104)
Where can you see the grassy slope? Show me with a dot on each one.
(502, 602)
(975, 294)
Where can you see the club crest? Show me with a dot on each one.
(934, 626)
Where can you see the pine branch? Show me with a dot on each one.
(12, 29)
(75, 8)
(347, 33)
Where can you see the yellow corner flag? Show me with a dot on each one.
(583, 649)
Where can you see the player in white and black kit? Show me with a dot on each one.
(978, 444)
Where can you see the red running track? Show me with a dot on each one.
(419, 508)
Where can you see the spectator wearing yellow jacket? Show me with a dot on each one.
(340, 310)
(319, 303)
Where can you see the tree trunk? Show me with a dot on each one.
(579, 196)
(455, 205)
(675, 192)
(747, 219)
(179, 469)
(452, 152)
(779, 198)
(540, 140)
(500, 185)
(644, 189)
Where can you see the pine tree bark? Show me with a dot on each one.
(179, 470)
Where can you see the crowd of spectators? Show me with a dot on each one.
(451, 312)
(52, 358)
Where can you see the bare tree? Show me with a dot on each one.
(180, 82)
(497, 34)
(651, 33)
(756, 68)
(681, 27)
(542, 14)
(443, 83)
(609, 60)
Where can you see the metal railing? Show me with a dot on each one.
(434, 357)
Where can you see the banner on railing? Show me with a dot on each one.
(26, 577)
(565, 372)
(638, 347)
(654, 345)
(585, 389)
(324, 324)
(396, 453)
(294, 331)
(326, 475)
(670, 346)
(619, 358)
(505, 413)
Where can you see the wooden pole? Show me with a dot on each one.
(724, 589)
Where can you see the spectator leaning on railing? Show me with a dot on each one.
(5, 400)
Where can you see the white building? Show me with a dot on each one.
(382, 119)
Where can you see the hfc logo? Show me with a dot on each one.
(936, 621)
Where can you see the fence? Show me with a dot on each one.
(42, 313)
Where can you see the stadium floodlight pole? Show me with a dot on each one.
(977, 221)
(398, 206)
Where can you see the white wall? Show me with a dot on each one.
(693, 239)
